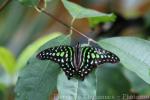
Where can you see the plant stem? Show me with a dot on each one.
(72, 21)
(4, 4)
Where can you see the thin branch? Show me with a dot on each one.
(4, 4)
(71, 31)
(66, 25)
(89, 39)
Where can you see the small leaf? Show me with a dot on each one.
(96, 20)
(111, 82)
(31, 49)
(134, 54)
(38, 79)
(7, 60)
(29, 2)
(79, 12)
(75, 89)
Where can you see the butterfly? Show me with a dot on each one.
(78, 61)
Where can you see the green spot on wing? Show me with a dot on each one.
(62, 54)
(97, 56)
(88, 56)
(58, 54)
(66, 55)
(93, 55)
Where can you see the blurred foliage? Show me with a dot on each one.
(11, 21)
(110, 79)
(137, 83)
(32, 48)
(20, 28)
(29, 2)
(7, 60)
(35, 82)
(123, 46)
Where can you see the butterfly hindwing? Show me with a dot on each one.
(63, 55)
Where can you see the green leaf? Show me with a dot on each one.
(3, 87)
(111, 82)
(29, 2)
(138, 85)
(79, 12)
(134, 54)
(38, 79)
(7, 60)
(96, 20)
(31, 49)
(76, 89)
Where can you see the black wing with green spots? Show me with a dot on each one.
(91, 57)
(63, 55)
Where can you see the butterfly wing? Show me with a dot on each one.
(63, 55)
(91, 57)
(105, 56)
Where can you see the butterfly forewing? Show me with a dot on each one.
(105, 56)
(63, 55)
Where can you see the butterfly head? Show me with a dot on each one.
(78, 45)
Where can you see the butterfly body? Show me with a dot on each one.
(78, 61)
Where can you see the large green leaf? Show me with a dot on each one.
(134, 54)
(79, 12)
(138, 85)
(7, 60)
(31, 49)
(111, 83)
(38, 79)
(75, 89)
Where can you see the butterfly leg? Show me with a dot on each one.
(69, 75)
(69, 78)
(82, 78)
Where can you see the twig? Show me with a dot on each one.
(4, 4)
(68, 26)
(72, 21)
